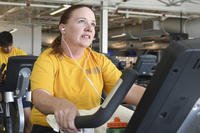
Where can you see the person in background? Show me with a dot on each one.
(70, 76)
(6, 47)
(7, 50)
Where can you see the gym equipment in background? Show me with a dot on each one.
(16, 86)
(145, 66)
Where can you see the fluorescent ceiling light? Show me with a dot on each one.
(120, 35)
(13, 30)
(12, 10)
(60, 9)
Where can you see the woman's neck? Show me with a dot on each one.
(72, 52)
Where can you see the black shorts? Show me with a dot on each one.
(42, 129)
(26, 104)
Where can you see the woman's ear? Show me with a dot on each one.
(62, 28)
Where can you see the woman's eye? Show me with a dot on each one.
(81, 21)
(93, 24)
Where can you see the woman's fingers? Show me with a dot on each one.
(65, 120)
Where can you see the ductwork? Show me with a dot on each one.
(138, 31)
(167, 26)
(25, 4)
(189, 26)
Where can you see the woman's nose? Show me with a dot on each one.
(88, 27)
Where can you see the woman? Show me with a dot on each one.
(70, 75)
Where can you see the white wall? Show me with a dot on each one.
(27, 38)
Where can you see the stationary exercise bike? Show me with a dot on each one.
(14, 88)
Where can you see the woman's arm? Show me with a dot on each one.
(134, 95)
(64, 111)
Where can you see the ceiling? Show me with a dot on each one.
(122, 14)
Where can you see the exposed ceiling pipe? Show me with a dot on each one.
(56, 1)
(190, 26)
(186, 8)
(150, 14)
(31, 5)
(172, 25)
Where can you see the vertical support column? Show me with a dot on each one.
(32, 41)
(104, 29)
(36, 39)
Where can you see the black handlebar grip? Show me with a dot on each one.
(110, 104)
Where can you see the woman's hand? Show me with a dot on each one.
(64, 111)
(65, 115)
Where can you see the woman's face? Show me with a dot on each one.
(79, 31)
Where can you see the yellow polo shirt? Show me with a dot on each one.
(64, 77)
(15, 52)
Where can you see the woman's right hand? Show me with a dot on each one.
(65, 114)
(64, 111)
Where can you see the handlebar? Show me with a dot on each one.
(110, 104)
